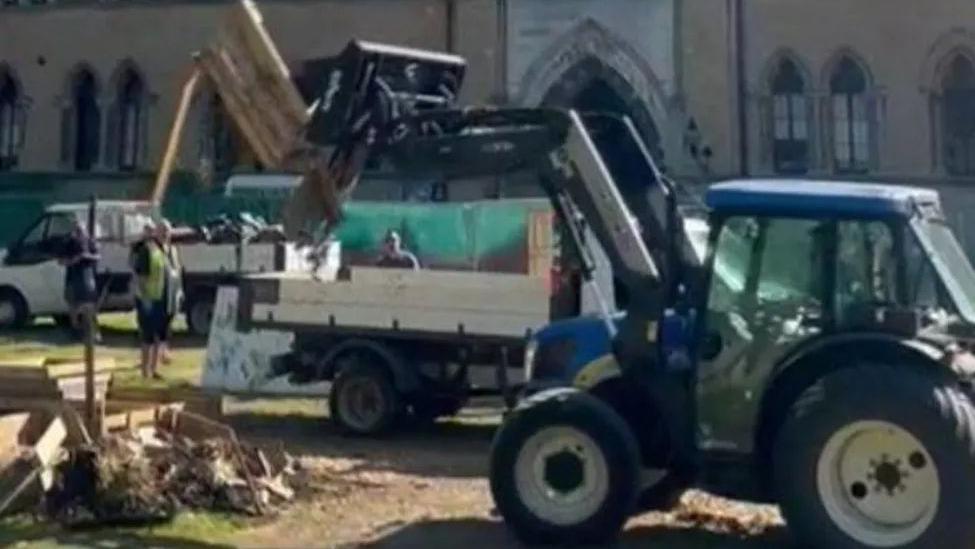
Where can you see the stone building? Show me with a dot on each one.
(89, 85)
(873, 89)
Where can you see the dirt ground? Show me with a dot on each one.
(426, 487)
(423, 487)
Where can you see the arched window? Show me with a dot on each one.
(10, 122)
(130, 110)
(850, 117)
(790, 116)
(959, 117)
(81, 123)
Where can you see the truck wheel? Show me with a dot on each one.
(565, 469)
(199, 314)
(877, 456)
(13, 310)
(363, 400)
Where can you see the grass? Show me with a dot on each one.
(189, 530)
(120, 342)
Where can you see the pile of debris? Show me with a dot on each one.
(145, 464)
(240, 228)
(149, 475)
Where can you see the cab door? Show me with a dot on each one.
(765, 296)
(32, 267)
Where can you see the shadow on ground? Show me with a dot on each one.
(455, 448)
(487, 534)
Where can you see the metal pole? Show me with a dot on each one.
(89, 335)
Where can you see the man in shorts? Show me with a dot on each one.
(149, 266)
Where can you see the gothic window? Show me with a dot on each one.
(130, 123)
(81, 123)
(790, 120)
(959, 117)
(850, 118)
(10, 121)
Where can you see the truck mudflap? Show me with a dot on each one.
(243, 361)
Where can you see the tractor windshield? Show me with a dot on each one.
(950, 262)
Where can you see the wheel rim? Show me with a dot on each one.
(202, 314)
(8, 313)
(361, 403)
(878, 483)
(561, 475)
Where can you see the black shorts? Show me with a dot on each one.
(153, 322)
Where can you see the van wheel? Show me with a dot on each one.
(13, 310)
(892, 466)
(565, 470)
(363, 400)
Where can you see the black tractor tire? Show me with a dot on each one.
(16, 313)
(921, 425)
(607, 433)
(199, 314)
(363, 400)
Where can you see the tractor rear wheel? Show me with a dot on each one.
(879, 456)
(565, 469)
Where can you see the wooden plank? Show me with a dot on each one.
(257, 86)
(31, 474)
(63, 368)
(11, 426)
(32, 367)
(240, 109)
(247, 25)
(175, 138)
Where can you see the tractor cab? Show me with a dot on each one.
(798, 266)
(815, 258)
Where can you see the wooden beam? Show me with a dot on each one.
(175, 137)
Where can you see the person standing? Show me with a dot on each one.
(395, 256)
(173, 288)
(149, 266)
(80, 258)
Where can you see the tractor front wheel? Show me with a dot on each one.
(879, 456)
(565, 469)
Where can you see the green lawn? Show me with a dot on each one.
(119, 341)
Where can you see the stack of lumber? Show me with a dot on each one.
(46, 379)
(244, 67)
(29, 445)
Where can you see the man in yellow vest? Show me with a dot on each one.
(149, 266)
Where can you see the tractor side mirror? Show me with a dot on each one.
(711, 346)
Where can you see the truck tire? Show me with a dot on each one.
(363, 400)
(13, 310)
(565, 469)
(199, 314)
(879, 456)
